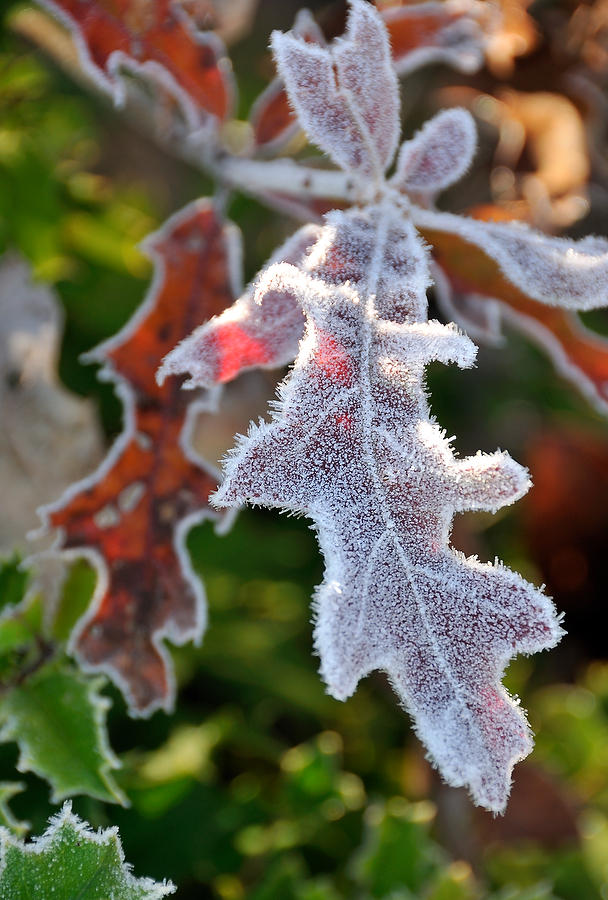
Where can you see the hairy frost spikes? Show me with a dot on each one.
(352, 446)
(348, 107)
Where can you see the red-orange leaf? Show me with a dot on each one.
(155, 38)
(272, 117)
(577, 353)
(131, 516)
(435, 32)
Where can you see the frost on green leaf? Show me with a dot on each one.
(58, 718)
(71, 861)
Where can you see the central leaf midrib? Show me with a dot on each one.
(367, 407)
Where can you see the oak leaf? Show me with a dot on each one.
(131, 516)
(156, 40)
(352, 445)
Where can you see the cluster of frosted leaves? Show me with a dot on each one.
(329, 90)
(453, 32)
(352, 446)
(348, 107)
(71, 860)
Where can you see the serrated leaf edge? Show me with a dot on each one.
(126, 395)
(66, 817)
(100, 704)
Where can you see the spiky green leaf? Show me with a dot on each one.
(71, 861)
(58, 718)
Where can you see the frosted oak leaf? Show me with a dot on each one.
(352, 445)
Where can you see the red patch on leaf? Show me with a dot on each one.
(236, 350)
(133, 513)
(150, 34)
(333, 360)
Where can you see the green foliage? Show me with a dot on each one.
(57, 716)
(13, 583)
(19, 625)
(8, 789)
(71, 861)
(55, 713)
(397, 851)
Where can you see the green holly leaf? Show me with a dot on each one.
(8, 789)
(71, 862)
(58, 718)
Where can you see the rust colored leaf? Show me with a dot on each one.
(156, 39)
(272, 118)
(132, 515)
(577, 353)
(447, 32)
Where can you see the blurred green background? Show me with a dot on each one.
(261, 786)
